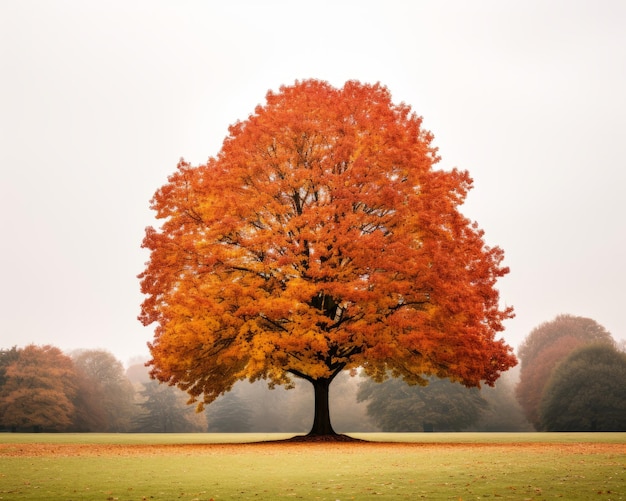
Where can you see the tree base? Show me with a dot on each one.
(334, 437)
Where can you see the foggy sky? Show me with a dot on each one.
(99, 100)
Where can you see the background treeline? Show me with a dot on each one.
(572, 378)
(43, 389)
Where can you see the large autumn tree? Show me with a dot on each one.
(319, 239)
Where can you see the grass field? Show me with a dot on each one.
(456, 466)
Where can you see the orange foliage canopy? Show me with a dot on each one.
(321, 239)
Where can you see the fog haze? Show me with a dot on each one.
(99, 100)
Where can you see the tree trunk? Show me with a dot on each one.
(321, 422)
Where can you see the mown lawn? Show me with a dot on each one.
(398, 466)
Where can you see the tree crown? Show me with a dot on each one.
(321, 238)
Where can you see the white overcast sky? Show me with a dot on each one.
(99, 100)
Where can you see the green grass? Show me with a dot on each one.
(495, 438)
(437, 466)
(238, 438)
(139, 438)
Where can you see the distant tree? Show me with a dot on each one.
(544, 348)
(260, 409)
(39, 389)
(231, 413)
(587, 392)
(108, 382)
(441, 406)
(585, 329)
(164, 410)
(320, 239)
(90, 414)
(7, 357)
(536, 374)
(503, 412)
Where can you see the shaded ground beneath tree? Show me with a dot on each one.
(291, 446)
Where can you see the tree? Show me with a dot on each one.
(442, 405)
(544, 349)
(587, 392)
(90, 414)
(165, 411)
(255, 408)
(7, 357)
(38, 392)
(229, 414)
(321, 239)
(582, 328)
(536, 374)
(107, 381)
